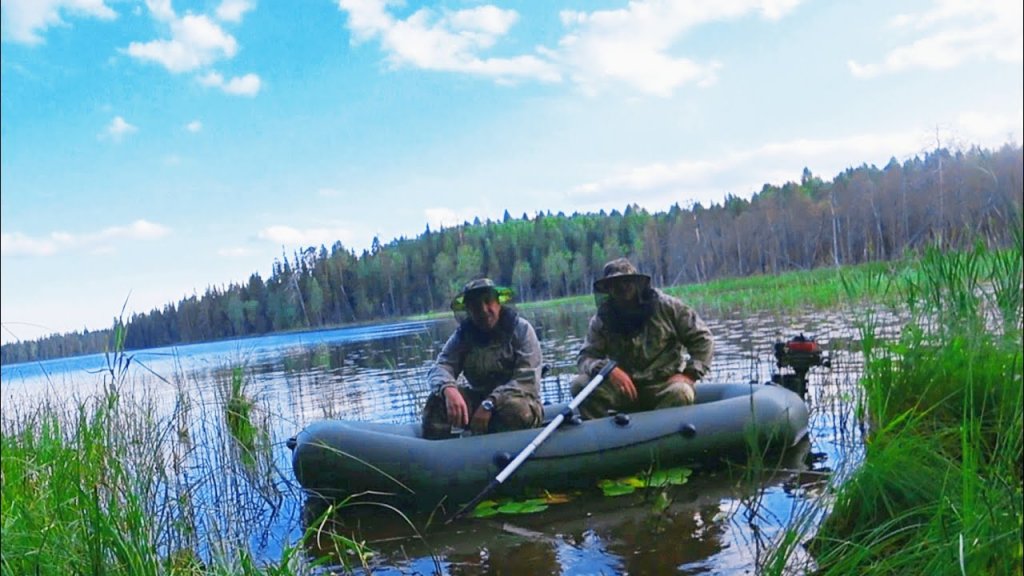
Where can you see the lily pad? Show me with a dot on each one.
(614, 488)
(528, 507)
(489, 508)
(659, 479)
(670, 477)
(482, 511)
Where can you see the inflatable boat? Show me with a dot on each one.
(338, 459)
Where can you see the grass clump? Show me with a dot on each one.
(108, 484)
(940, 487)
(68, 502)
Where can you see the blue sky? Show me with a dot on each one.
(152, 149)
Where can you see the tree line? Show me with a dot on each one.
(946, 198)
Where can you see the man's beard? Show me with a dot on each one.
(503, 329)
(629, 319)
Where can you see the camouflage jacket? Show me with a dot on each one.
(672, 340)
(507, 361)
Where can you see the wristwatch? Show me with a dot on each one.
(487, 405)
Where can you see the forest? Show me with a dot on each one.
(951, 199)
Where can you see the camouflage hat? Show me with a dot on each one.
(620, 269)
(502, 293)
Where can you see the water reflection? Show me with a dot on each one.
(378, 373)
(708, 526)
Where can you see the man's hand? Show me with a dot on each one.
(683, 387)
(481, 419)
(458, 412)
(623, 382)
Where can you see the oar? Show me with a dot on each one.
(551, 427)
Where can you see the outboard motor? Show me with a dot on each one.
(801, 354)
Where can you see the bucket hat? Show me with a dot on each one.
(478, 285)
(620, 269)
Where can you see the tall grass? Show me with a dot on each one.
(940, 487)
(114, 484)
(821, 288)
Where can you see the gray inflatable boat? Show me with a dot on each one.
(337, 458)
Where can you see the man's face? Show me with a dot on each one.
(484, 310)
(623, 291)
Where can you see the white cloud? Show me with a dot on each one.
(951, 33)
(247, 85)
(194, 126)
(233, 10)
(19, 244)
(234, 252)
(23, 21)
(633, 46)
(196, 42)
(161, 10)
(438, 218)
(296, 238)
(118, 129)
(744, 172)
(449, 41)
(989, 129)
(138, 230)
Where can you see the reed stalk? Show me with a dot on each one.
(939, 490)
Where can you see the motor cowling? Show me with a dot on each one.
(800, 353)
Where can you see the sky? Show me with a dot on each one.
(150, 150)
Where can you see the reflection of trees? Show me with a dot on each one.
(528, 557)
(642, 542)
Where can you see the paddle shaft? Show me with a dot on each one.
(547, 431)
(555, 423)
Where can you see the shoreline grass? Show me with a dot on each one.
(939, 490)
(95, 485)
(113, 484)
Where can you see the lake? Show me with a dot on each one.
(720, 522)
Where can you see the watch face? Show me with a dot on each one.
(487, 405)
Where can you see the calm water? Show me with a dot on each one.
(716, 524)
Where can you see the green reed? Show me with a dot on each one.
(240, 413)
(113, 484)
(940, 487)
(821, 288)
(107, 485)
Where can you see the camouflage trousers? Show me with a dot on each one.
(513, 410)
(607, 397)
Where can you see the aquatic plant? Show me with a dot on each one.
(939, 490)
(114, 483)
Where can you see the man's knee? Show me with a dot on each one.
(517, 413)
(599, 402)
(435, 418)
(675, 394)
(579, 382)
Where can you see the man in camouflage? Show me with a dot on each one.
(499, 356)
(661, 345)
